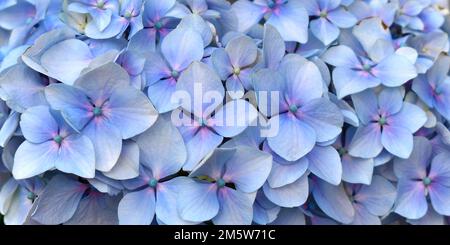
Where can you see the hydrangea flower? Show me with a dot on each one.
(304, 116)
(224, 187)
(105, 108)
(331, 16)
(157, 23)
(234, 64)
(354, 73)
(162, 71)
(51, 143)
(387, 122)
(434, 86)
(208, 122)
(152, 192)
(289, 17)
(422, 176)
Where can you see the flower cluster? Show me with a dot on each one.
(224, 112)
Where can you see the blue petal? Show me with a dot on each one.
(198, 202)
(33, 159)
(411, 200)
(378, 197)
(333, 201)
(341, 56)
(182, 47)
(199, 143)
(348, 81)
(291, 21)
(248, 169)
(167, 198)
(290, 216)
(324, 117)
(127, 166)
(291, 195)
(131, 112)
(367, 141)
(397, 140)
(59, 200)
(38, 125)
(76, 155)
(395, 70)
(236, 208)
(137, 208)
(325, 163)
(162, 149)
(324, 30)
(72, 103)
(294, 139)
(234, 117)
(107, 142)
(65, 60)
(247, 13)
(274, 47)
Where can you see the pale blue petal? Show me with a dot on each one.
(137, 208)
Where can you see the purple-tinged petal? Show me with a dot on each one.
(38, 125)
(33, 159)
(222, 64)
(440, 198)
(156, 9)
(364, 217)
(137, 208)
(72, 102)
(291, 21)
(366, 105)
(440, 169)
(411, 201)
(348, 81)
(167, 197)
(181, 47)
(341, 56)
(96, 209)
(200, 81)
(415, 167)
(302, 78)
(283, 174)
(199, 143)
(247, 13)
(366, 142)
(77, 156)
